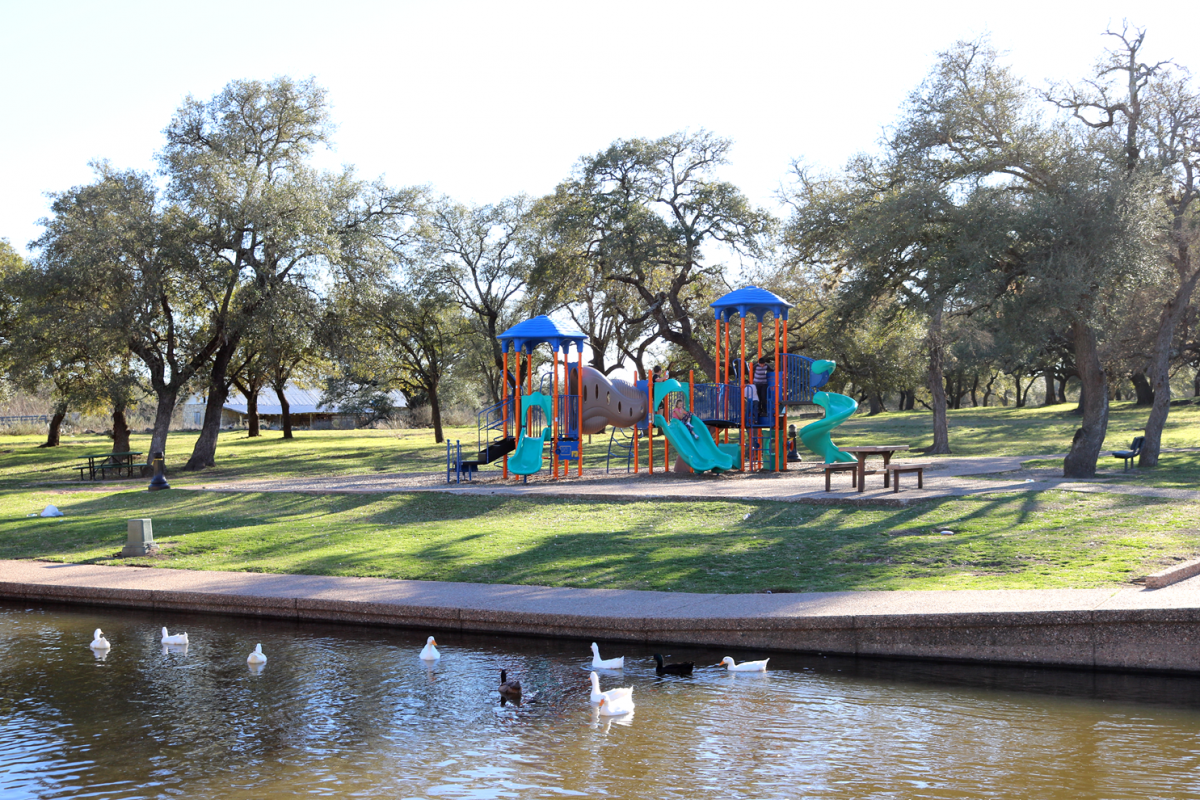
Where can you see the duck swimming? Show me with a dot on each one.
(509, 689)
(611, 708)
(681, 668)
(430, 652)
(745, 666)
(256, 657)
(98, 640)
(177, 638)
(612, 695)
(605, 663)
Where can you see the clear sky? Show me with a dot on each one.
(483, 100)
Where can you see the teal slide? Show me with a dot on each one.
(527, 458)
(699, 452)
(815, 435)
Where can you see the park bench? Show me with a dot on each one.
(841, 466)
(1135, 449)
(101, 464)
(894, 471)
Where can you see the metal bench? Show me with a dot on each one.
(1135, 449)
(894, 470)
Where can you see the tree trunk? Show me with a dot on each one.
(435, 413)
(54, 431)
(165, 409)
(937, 385)
(204, 454)
(875, 404)
(908, 399)
(252, 415)
(1093, 400)
(1160, 367)
(1196, 384)
(1017, 380)
(120, 430)
(285, 410)
(1141, 386)
(1051, 395)
(987, 390)
(974, 391)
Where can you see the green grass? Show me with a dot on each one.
(1018, 431)
(1007, 541)
(311, 453)
(1020, 540)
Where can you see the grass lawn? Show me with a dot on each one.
(1041, 540)
(1025, 540)
(1019, 431)
(973, 432)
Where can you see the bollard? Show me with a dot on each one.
(159, 481)
(140, 540)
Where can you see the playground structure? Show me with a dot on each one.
(731, 424)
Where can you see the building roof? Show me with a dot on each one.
(751, 300)
(300, 401)
(525, 336)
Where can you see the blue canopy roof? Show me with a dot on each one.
(525, 336)
(751, 300)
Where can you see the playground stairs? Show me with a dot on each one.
(491, 444)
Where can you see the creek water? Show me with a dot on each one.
(346, 711)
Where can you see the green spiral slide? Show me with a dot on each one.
(838, 409)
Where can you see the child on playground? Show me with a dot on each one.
(683, 415)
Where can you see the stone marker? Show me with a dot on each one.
(141, 539)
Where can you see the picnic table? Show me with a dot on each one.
(103, 463)
(863, 451)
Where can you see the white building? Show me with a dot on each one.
(304, 406)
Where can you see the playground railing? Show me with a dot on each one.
(490, 421)
(568, 416)
(454, 463)
(797, 381)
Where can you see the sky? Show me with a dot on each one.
(484, 100)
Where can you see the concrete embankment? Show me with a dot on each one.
(1126, 628)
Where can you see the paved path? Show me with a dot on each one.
(945, 477)
(1113, 627)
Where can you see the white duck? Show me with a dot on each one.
(257, 656)
(745, 666)
(430, 653)
(615, 707)
(613, 696)
(98, 641)
(176, 638)
(605, 663)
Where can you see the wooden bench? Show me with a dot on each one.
(841, 466)
(894, 470)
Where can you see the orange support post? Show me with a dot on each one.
(778, 407)
(637, 464)
(554, 415)
(650, 417)
(579, 401)
(504, 406)
(742, 396)
(784, 422)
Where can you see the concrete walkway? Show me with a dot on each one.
(805, 482)
(1116, 628)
